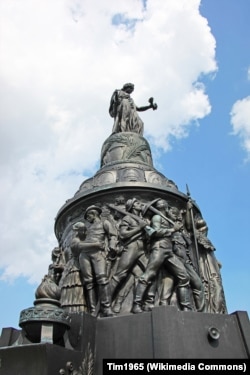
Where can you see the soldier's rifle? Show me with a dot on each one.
(149, 230)
(194, 232)
(150, 207)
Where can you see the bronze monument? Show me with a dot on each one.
(134, 274)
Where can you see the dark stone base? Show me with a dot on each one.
(163, 333)
(168, 333)
(36, 359)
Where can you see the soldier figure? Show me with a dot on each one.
(132, 237)
(181, 242)
(92, 259)
(162, 254)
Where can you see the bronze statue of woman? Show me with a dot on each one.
(124, 111)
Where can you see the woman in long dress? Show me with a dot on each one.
(124, 111)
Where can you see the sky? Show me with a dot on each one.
(60, 62)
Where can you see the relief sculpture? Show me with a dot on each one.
(209, 267)
(129, 255)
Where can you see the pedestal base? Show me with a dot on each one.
(164, 333)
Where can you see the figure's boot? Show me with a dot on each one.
(183, 294)
(149, 302)
(91, 300)
(105, 300)
(113, 288)
(138, 298)
(199, 300)
(121, 292)
(118, 304)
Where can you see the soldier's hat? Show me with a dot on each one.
(129, 204)
(201, 225)
(93, 207)
(79, 225)
(148, 205)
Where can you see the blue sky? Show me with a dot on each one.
(59, 65)
(212, 160)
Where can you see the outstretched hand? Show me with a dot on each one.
(153, 105)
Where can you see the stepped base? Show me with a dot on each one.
(163, 333)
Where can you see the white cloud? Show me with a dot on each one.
(240, 120)
(60, 62)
